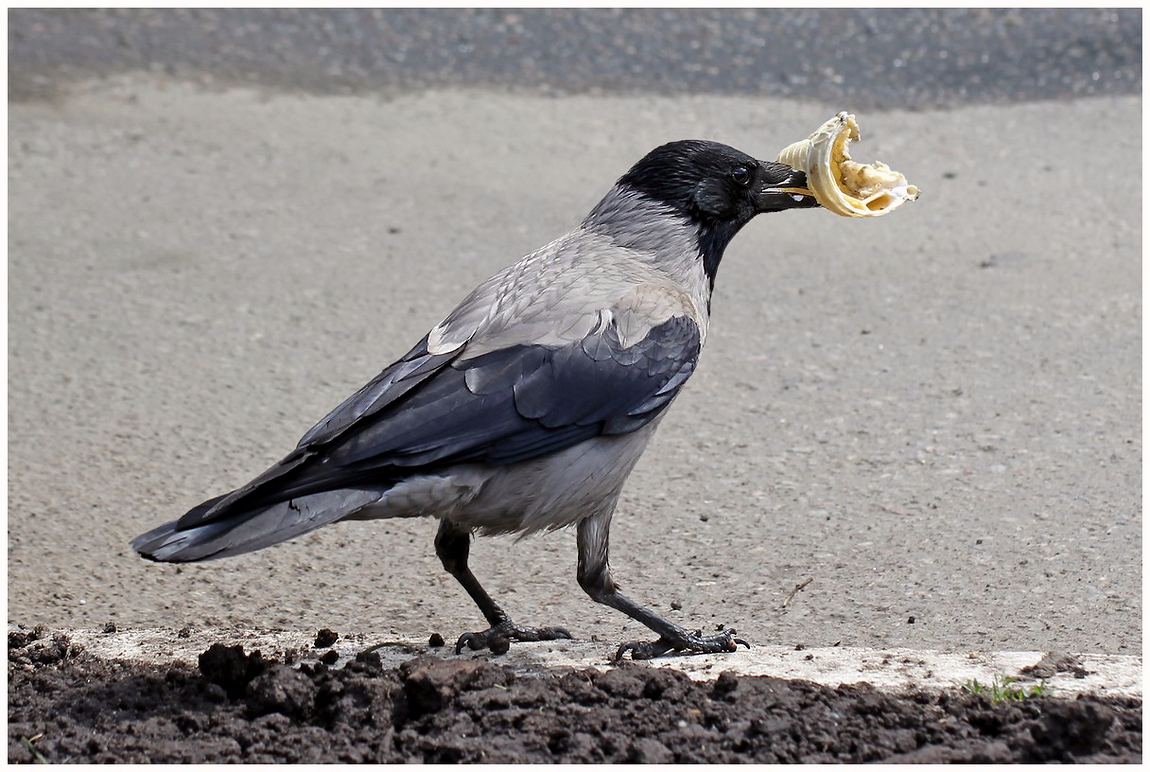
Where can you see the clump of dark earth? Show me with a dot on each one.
(325, 638)
(1053, 663)
(230, 668)
(65, 706)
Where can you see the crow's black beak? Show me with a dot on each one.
(788, 191)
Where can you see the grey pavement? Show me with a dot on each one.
(934, 416)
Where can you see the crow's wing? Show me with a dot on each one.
(429, 411)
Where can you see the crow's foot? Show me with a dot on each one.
(496, 638)
(688, 643)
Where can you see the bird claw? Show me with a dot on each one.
(505, 632)
(690, 643)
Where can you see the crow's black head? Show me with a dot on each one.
(719, 188)
(711, 182)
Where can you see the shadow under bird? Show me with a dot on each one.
(528, 406)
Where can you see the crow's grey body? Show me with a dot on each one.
(525, 409)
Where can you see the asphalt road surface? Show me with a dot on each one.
(868, 59)
(934, 416)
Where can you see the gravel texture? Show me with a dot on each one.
(934, 416)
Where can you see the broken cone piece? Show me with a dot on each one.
(840, 184)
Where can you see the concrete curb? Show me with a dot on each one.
(896, 670)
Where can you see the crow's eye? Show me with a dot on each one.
(741, 175)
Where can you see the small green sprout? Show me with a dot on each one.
(1002, 689)
(36, 754)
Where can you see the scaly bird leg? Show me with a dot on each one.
(452, 545)
(596, 580)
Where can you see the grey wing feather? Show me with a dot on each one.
(381, 391)
(428, 411)
(525, 401)
(273, 485)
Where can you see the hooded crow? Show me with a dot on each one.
(528, 406)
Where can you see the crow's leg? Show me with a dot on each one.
(452, 545)
(595, 578)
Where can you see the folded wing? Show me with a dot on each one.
(430, 411)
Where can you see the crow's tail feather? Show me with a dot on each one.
(251, 530)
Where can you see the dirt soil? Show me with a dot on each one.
(65, 705)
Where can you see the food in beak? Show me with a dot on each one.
(840, 184)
